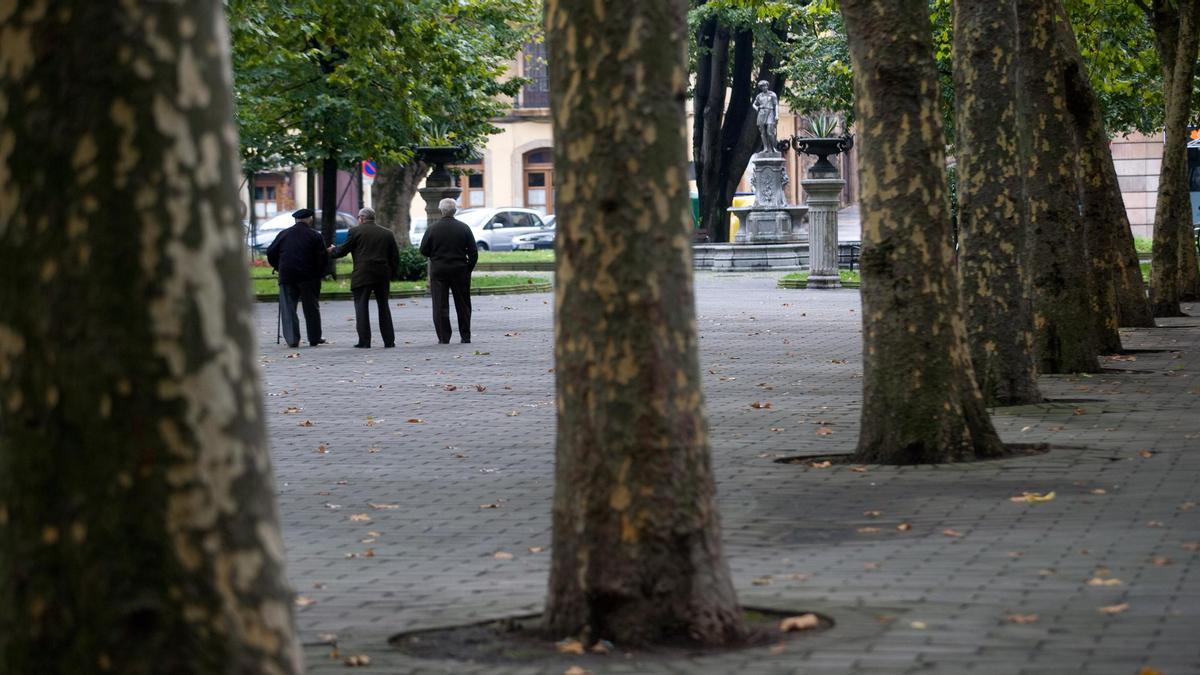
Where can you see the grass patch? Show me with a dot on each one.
(544, 255)
(1143, 244)
(270, 285)
(844, 275)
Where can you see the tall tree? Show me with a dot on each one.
(1173, 273)
(637, 546)
(138, 527)
(331, 82)
(920, 400)
(724, 129)
(1065, 337)
(1118, 290)
(993, 231)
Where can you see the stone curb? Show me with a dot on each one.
(537, 287)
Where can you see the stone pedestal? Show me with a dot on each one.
(770, 220)
(823, 200)
(438, 186)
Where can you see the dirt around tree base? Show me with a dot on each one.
(1014, 451)
(521, 640)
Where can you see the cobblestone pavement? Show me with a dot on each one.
(401, 473)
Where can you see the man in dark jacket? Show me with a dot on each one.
(376, 260)
(298, 254)
(450, 246)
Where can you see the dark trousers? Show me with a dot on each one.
(307, 293)
(442, 282)
(362, 314)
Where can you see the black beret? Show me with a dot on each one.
(303, 213)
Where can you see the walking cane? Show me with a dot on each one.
(278, 323)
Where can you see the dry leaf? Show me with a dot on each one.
(870, 566)
(293, 355)
(1154, 523)
(383, 507)
(1191, 546)
(360, 518)
(502, 555)
(306, 423)
(489, 506)
(761, 581)
(904, 527)
(1022, 618)
(569, 646)
(763, 405)
(776, 429)
(778, 649)
(1187, 506)
(480, 387)
(373, 450)
(867, 530)
(1114, 609)
(1147, 670)
(536, 549)
(357, 660)
(576, 670)
(858, 469)
(1145, 454)
(291, 409)
(801, 622)
(416, 420)
(951, 533)
(322, 449)
(919, 625)
(601, 647)
(513, 413)
(872, 514)
(450, 387)
(1097, 581)
(821, 465)
(1032, 497)
(1099, 491)
(302, 601)
(1079, 411)
(824, 431)
(1161, 561)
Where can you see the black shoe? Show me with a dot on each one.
(362, 346)
(466, 342)
(443, 342)
(391, 346)
(293, 346)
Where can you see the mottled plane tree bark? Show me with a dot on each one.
(637, 547)
(1064, 328)
(392, 195)
(1173, 275)
(920, 400)
(993, 232)
(138, 527)
(1120, 293)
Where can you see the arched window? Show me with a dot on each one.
(539, 180)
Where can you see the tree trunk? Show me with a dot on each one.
(392, 194)
(1099, 192)
(1176, 38)
(1064, 329)
(920, 400)
(253, 208)
(992, 226)
(138, 526)
(637, 547)
(329, 199)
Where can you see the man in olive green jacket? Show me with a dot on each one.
(376, 259)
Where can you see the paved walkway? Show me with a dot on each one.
(424, 461)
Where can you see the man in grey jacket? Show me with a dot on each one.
(376, 260)
(450, 246)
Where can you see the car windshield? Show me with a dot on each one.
(475, 217)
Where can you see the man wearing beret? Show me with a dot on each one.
(376, 260)
(298, 254)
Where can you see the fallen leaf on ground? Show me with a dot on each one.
(1147, 670)
(952, 533)
(1097, 581)
(919, 625)
(294, 355)
(302, 601)
(480, 387)
(1079, 411)
(536, 549)
(838, 361)
(1187, 506)
(1056, 428)
(776, 429)
(1191, 546)
(1032, 497)
(513, 413)
(1145, 454)
(383, 507)
(306, 423)
(322, 449)
(360, 518)
(357, 661)
(801, 622)
(489, 506)
(821, 465)
(576, 670)
(872, 514)
(1099, 491)
(416, 420)
(569, 646)
(1022, 618)
(373, 450)
(450, 387)
(1161, 561)
(761, 581)
(1154, 523)
(858, 469)
(502, 555)
(778, 649)
(1114, 609)
(291, 410)
(797, 577)
(904, 527)
(867, 530)
(760, 405)
(824, 431)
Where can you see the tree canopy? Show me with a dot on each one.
(316, 79)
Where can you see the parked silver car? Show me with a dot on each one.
(495, 227)
(543, 238)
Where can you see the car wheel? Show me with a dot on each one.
(481, 246)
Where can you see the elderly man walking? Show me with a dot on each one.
(376, 259)
(450, 246)
(298, 254)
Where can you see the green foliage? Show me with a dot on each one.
(1117, 45)
(413, 265)
(350, 79)
(818, 64)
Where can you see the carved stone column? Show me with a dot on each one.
(438, 186)
(823, 200)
